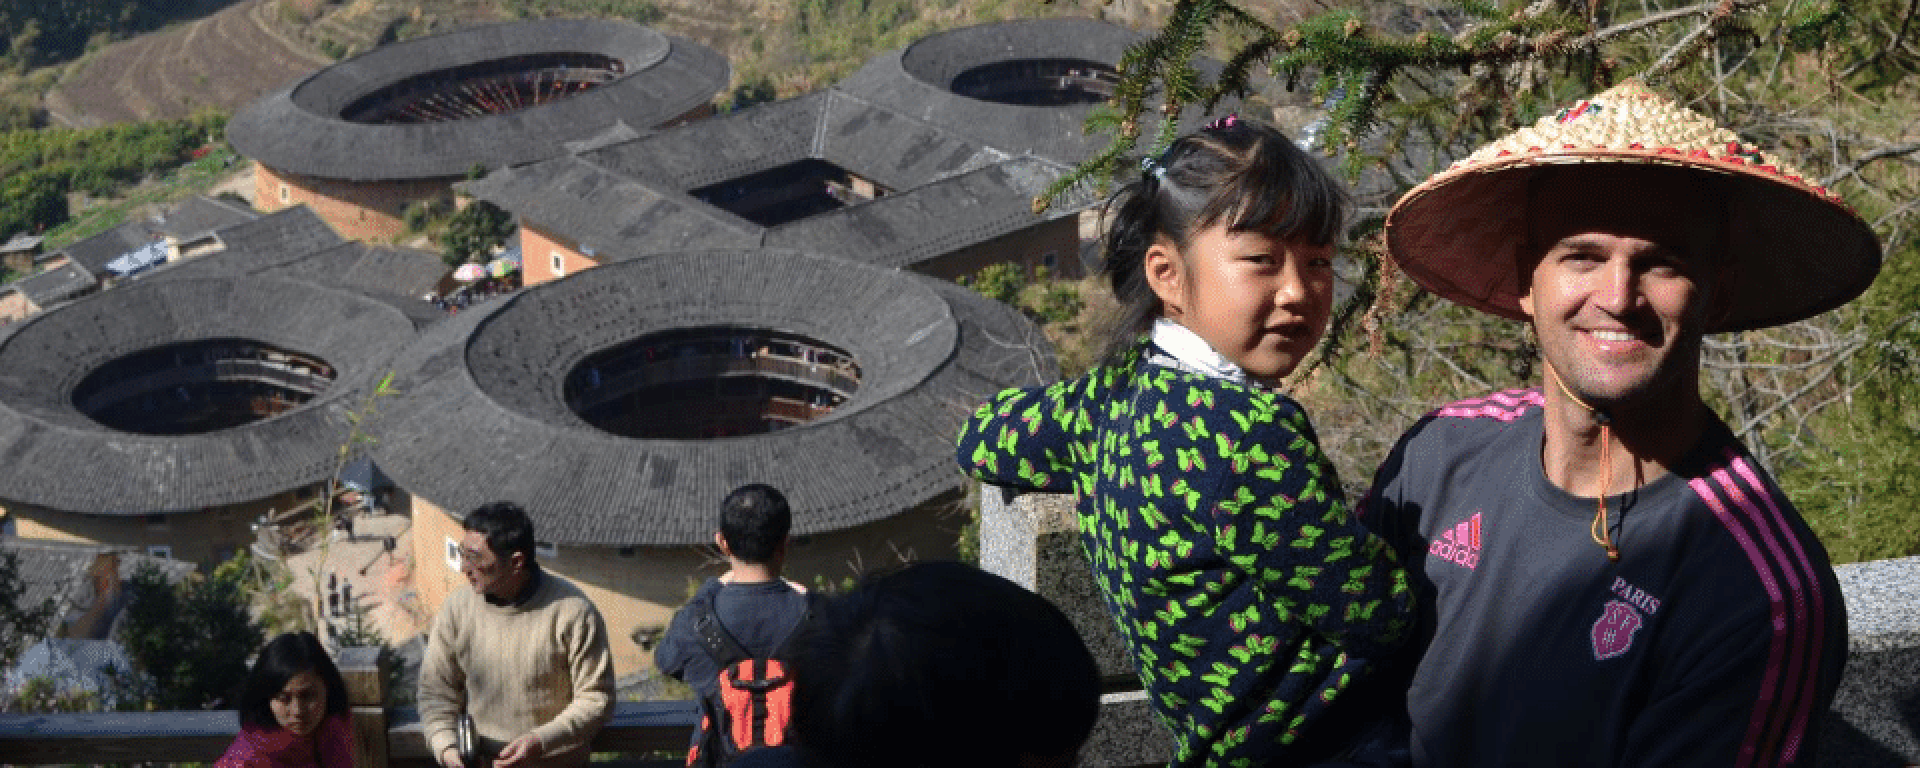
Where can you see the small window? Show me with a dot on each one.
(161, 551)
(559, 264)
(1049, 259)
(547, 550)
(453, 554)
(286, 195)
(628, 551)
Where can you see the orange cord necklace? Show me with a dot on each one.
(1599, 530)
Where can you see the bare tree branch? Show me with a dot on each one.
(1869, 158)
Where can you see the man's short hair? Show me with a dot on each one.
(754, 520)
(506, 528)
(946, 662)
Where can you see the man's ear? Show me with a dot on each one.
(720, 543)
(518, 561)
(1165, 274)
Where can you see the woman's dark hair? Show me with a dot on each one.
(941, 664)
(506, 527)
(1244, 174)
(284, 658)
(754, 520)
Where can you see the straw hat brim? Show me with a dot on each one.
(1794, 254)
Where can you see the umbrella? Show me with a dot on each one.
(501, 267)
(469, 272)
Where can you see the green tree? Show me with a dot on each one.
(1000, 282)
(189, 642)
(20, 625)
(475, 231)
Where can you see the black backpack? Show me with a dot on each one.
(754, 702)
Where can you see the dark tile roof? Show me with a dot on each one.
(930, 221)
(60, 571)
(73, 665)
(481, 417)
(200, 216)
(22, 242)
(46, 442)
(299, 129)
(915, 80)
(609, 213)
(56, 285)
(93, 253)
(295, 230)
(631, 197)
(53, 571)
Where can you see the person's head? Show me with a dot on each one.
(497, 551)
(754, 520)
(1775, 247)
(293, 685)
(1230, 232)
(1619, 290)
(942, 664)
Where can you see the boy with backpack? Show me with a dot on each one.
(729, 641)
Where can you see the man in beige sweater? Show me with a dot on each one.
(525, 653)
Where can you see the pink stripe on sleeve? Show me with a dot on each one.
(1756, 726)
(1816, 622)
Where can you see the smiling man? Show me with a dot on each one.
(1609, 578)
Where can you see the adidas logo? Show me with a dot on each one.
(1460, 544)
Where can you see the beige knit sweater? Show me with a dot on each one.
(541, 666)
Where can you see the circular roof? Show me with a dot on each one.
(302, 129)
(56, 456)
(482, 417)
(918, 81)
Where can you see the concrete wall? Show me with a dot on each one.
(638, 589)
(203, 537)
(359, 210)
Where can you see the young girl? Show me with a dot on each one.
(1254, 604)
(293, 709)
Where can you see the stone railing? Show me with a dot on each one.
(1033, 539)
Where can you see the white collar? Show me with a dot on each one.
(1185, 350)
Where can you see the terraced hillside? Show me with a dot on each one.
(221, 61)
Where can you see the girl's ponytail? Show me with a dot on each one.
(1132, 216)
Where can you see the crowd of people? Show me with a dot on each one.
(1591, 572)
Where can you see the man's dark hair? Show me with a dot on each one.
(945, 662)
(754, 520)
(506, 527)
(284, 658)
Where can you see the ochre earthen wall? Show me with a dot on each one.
(370, 211)
(538, 249)
(204, 538)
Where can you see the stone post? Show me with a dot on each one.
(1034, 540)
(365, 675)
(1876, 712)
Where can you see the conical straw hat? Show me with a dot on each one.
(1797, 250)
